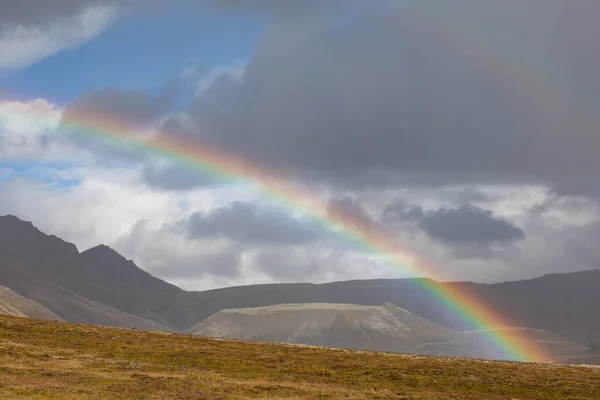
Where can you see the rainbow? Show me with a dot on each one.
(513, 344)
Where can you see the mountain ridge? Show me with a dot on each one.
(100, 286)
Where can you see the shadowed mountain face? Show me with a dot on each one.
(52, 273)
(99, 286)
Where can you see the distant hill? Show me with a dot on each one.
(565, 304)
(99, 286)
(383, 328)
(324, 324)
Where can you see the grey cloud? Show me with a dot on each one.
(132, 107)
(128, 111)
(470, 224)
(249, 224)
(382, 99)
(224, 264)
(388, 98)
(400, 211)
(349, 207)
(466, 224)
(287, 264)
(34, 12)
(175, 177)
(287, 9)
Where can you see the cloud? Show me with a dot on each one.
(248, 223)
(350, 210)
(28, 132)
(108, 112)
(287, 264)
(171, 176)
(468, 224)
(464, 225)
(338, 106)
(164, 251)
(32, 30)
(23, 45)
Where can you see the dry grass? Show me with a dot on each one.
(48, 360)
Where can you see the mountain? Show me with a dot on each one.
(101, 287)
(16, 305)
(130, 288)
(565, 304)
(379, 328)
(52, 273)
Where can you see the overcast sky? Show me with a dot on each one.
(467, 130)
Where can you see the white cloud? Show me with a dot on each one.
(31, 117)
(21, 46)
(206, 80)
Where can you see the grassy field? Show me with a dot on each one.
(49, 360)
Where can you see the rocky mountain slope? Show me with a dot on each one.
(53, 273)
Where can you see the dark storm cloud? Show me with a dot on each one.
(469, 224)
(379, 96)
(248, 223)
(384, 96)
(466, 224)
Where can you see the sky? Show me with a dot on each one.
(467, 131)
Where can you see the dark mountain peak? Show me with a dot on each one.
(13, 221)
(116, 268)
(17, 234)
(105, 252)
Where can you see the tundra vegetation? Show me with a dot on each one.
(55, 360)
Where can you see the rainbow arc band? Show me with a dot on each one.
(514, 344)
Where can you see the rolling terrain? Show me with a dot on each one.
(52, 360)
(383, 328)
(99, 286)
(334, 325)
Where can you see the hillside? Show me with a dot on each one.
(380, 328)
(337, 325)
(16, 305)
(100, 286)
(53, 273)
(565, 304)
(51, 360)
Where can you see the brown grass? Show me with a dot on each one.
(49, 360)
